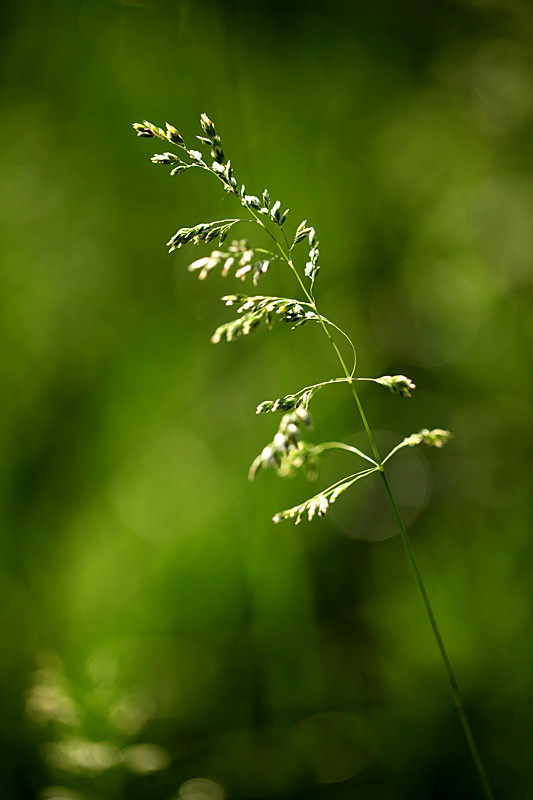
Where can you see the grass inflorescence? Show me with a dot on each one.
(289, 451)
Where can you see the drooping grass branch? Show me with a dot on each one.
(289, 451)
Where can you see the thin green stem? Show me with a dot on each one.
(322, 383)
(342, 446)
(393, 451)
(354, 477)
(355, 395)
(458, 701)
(354, 351)
(316, 386)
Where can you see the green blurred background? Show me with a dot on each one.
(161, 638)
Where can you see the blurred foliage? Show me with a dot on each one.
(162, 639)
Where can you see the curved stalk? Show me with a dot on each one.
(342, 446)
(458, 701)
(172, 136)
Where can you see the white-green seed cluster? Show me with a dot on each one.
(398, 384)
(287, 452)
(287, 441)
(286, 403)
(320, 503)
(308, 232)
(434, 438)
(239, 256)
(204, 232)
(254, 310)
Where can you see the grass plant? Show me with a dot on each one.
(290, 450)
